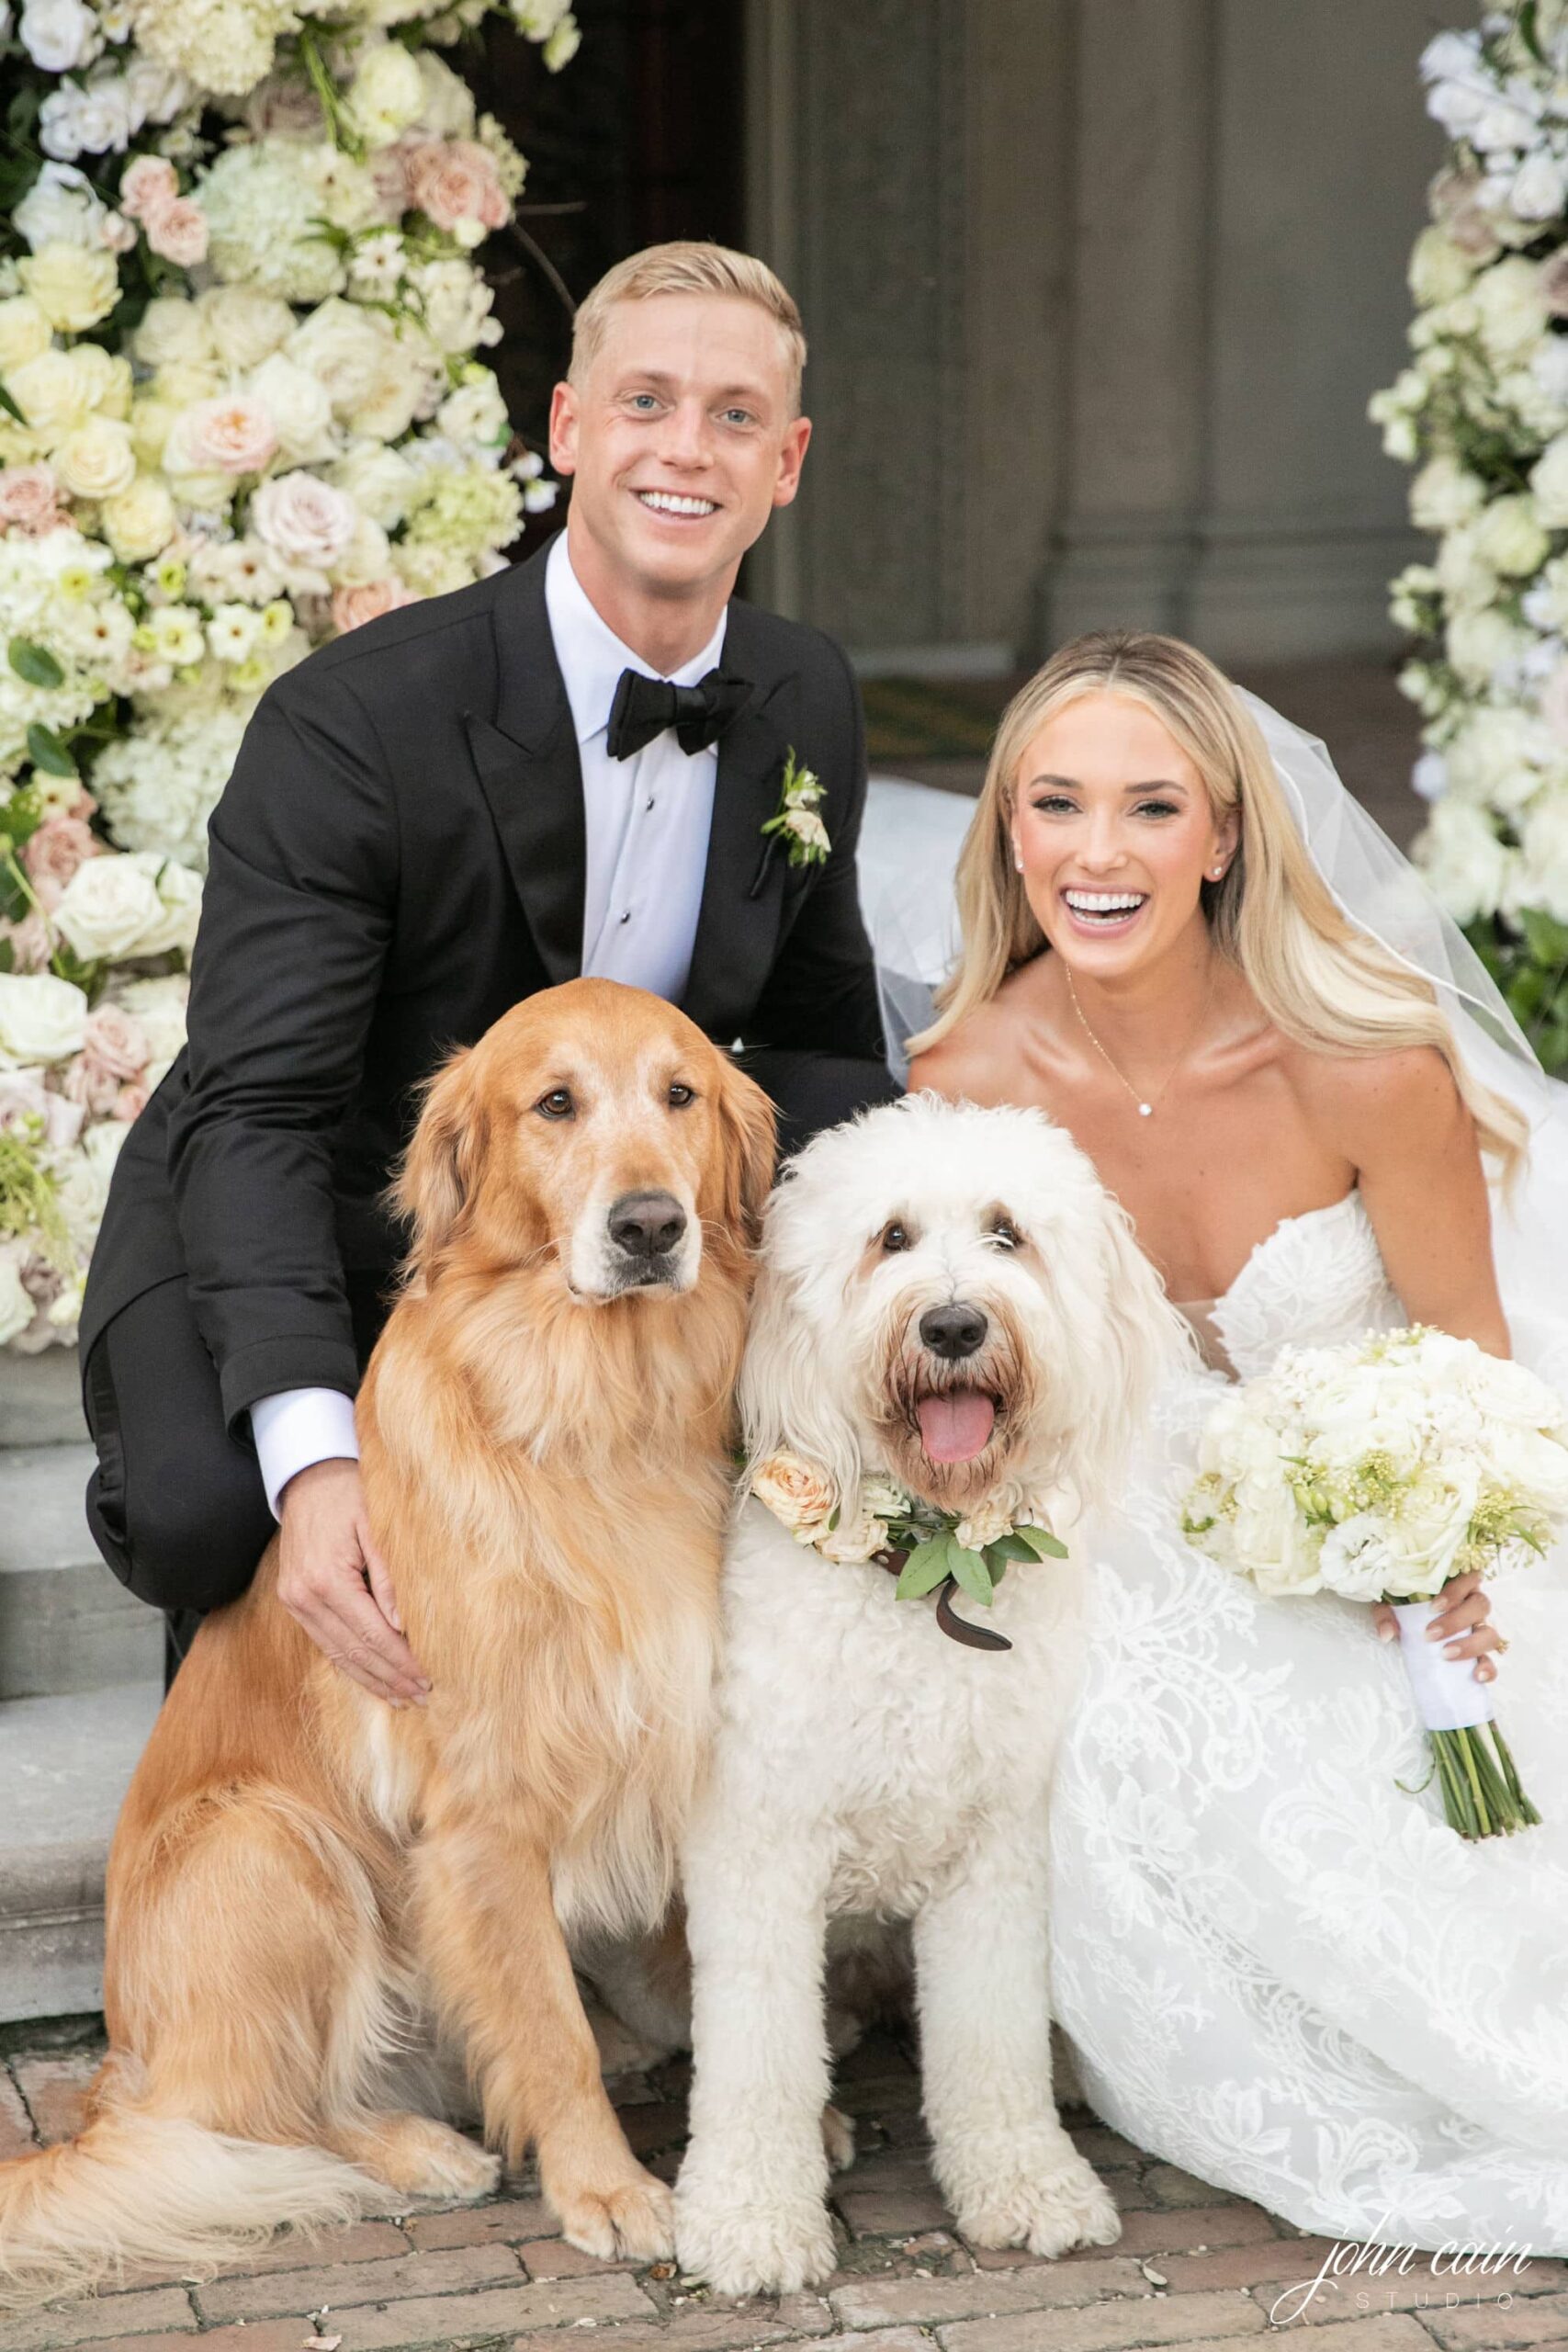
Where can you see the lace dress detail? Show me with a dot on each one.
(1280, 1969)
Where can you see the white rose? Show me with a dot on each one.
(96, 460)
(173, 330)
(1510, 539)
(386, 94)
(378, 480)
(130, 905)
(1510, 307)
(61, 208)
(1540, 186)
(242, 324)
(300, 408)
(342, 347)
(42, 1019)
(16, 1299)
(59, 35)
(49, 394)
(140, 521)
(24, 331)
(73, 287)
(307, 520)
(1464, 860)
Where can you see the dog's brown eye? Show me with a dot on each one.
(557, 1104)
(681, 1095)
(894, 1236)
(1006, 1234)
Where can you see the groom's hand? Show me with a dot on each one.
(1463, 1625)
(330, 1576)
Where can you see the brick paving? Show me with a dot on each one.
(1194, 2267)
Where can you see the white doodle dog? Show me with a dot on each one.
(950, 1298)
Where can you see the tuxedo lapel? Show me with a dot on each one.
(737, 926)
(525, 753)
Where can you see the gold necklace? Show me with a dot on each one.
(1145, 1110)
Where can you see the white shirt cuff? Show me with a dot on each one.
(300, 1426)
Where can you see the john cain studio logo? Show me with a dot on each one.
(1461, 2273)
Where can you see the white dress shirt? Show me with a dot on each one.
(648, 820)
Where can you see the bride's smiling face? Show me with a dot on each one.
(1115, 833)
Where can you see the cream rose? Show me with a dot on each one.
(386, 94)
(171, 329)
(854, 1541)
(242, 324)
(48, 392)
(96, 460)
(986, 1524)
(300, 408)
(305, 519)
(367, 557)
(800, 1496)
(139, 521)
(1439, 270)
(42, 1019)
(231, 434)
(24, 331)
(74, 289)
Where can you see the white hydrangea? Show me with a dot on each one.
(158, 788)
(261, 209)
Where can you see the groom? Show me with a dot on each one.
(565, 769)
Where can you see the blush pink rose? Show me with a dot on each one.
(27, 501)
(230, 434)
(147, 184)
(131, 1100)
(53, 855)
(456, 179)
(352, 607)
(30, 943)
(177, 232)
(92, 1090)
(115, 1042)
(305, 519)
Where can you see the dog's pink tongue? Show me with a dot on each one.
(957, 1427)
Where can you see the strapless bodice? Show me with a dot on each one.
(1316, 1279)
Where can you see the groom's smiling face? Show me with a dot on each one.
(681, 439)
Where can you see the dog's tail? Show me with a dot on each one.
(156, 2192)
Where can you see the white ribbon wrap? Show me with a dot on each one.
(1448, 1696)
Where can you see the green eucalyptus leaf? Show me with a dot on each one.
(1548, 938)
(969, 1570)
(996, 1561)
(1010, 1547)
(1042, 1543)
(35, 664)
(925, 1568)
(47, 752)
(9, 405)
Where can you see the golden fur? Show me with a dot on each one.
(306, 1881)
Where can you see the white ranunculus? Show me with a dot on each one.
(96, 460)
(300, 408)
(60, 36)
(1510, 308)
(305, 519)
(1463, 860)
(61, 208)
(1510, 539)
(42, 1019)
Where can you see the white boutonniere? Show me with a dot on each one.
(804, 834)
(929, 1550)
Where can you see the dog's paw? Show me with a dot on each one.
(1048, 2201)
(417, 2156)
(838, 2139)
(636, 2219)
(772, 2246)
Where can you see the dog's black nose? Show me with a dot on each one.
(646, 1225)
(952, 1331)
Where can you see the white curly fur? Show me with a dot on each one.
(864, 1762)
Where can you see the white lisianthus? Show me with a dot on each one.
(1510, 537)
(475, 413)
(73, 286)
(96, 460)
(42, 1019)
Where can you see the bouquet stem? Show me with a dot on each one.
(1481, 1795)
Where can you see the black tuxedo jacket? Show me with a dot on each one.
(397, 858)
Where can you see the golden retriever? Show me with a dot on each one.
(306, 1883)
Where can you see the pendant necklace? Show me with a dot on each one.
(1145, 1108)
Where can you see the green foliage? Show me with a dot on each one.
(35, 664)
(1531, 966)
(30, 1202)
(47, 752)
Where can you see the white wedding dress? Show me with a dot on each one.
(1278, 1968)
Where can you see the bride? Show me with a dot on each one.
(1277, 1967)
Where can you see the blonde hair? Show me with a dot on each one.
(1319, 979)
(689, 266)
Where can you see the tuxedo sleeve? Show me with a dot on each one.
(296, 922)
(822, 993)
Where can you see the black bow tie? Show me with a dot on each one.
(643, 707)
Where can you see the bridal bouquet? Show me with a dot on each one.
(1381, 1470)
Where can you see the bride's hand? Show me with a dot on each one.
(1464, 1627)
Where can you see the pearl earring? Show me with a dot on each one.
(1218, 873)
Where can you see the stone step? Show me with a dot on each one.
(40, 1399)
(64, 1764)
(65, 1623)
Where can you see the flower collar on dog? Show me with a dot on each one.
(928, 1550)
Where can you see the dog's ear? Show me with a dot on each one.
(1141, 1337)
(749, 1145)
(435, 1185)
